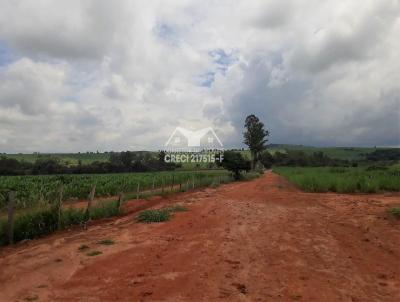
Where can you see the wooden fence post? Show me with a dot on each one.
(187, 184)
(153, 184)
(90, 201)
(137, 190)
(11, 210)
(180, 186)
(193, 181)
(120, 201)
(59, 207)
(173, 181)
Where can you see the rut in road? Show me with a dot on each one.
(262, 240)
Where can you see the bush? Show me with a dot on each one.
(235, 162)
(149, 216)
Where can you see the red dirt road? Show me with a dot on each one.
(261, 240)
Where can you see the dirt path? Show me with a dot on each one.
(252, 241)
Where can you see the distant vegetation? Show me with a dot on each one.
(117, 163)
(343, 180)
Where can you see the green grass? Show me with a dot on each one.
(93, 253)
(342, 180)
(43, 221)
(349, 153)
(106, 242)
(149, 216)
(394, 212)
(159, 215)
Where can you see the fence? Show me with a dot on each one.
(35, 222)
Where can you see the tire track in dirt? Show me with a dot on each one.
(262, 240)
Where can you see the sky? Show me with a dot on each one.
(82, 75)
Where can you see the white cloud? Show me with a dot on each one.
(94, 75)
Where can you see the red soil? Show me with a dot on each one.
(262, 240)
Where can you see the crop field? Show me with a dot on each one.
(39, 212)
(43, 189)
(343, 180)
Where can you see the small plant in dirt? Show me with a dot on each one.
(106, 242)
(394, 212)
(149, 216)
(93, 253)
(83, 247)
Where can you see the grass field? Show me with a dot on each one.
(344, 153)
(343, 180)
(43, 189)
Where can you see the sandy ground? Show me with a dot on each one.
(261, 240)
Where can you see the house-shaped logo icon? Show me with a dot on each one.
(187, 140)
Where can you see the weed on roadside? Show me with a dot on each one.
(148, 216)
(93, 253)
(394, 212)
(106, 242)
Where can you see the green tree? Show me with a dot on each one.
(255, 137)
(235, 162)
(266, 159)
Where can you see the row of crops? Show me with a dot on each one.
(32, 191)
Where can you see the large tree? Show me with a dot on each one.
(255, 137)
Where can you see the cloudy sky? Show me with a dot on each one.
(80, 75)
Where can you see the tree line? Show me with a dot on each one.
(118, 162)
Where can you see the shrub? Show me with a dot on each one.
(149, 216)
(235, 162)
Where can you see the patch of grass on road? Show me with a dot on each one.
(149, 216)
(394, 212)
(106, 242)
(93, 253)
